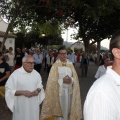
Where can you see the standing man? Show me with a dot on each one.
(45, 59)
(84, 64)
(103, 99)
(71, 57)
(18, 58)
(4, 74)
(62, 101)
(50, 61)
(38, 58)
(24, 91)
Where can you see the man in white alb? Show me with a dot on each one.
(24, 91)
(62, 101)
(103, 99)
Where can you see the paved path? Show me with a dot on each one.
(85, 84)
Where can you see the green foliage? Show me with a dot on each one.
(19, 40)
(49, 28)
(97, 19)
(76, 50)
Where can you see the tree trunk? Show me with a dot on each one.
(6, 34)
(86, 44)
(98, 51)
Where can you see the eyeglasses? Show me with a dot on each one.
(63, 53)
(30, 63)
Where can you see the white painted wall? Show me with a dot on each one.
(10, 42)
(78, 45)
(3, 25)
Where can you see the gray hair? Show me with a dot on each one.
(25, 58)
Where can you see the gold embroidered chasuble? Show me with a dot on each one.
(51, 104)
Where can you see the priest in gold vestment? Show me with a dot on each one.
(62, 96)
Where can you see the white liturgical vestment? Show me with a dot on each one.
(65, 92)
(24, 108)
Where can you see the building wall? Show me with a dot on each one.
(3, 25)
(10, 42)
(78, 45)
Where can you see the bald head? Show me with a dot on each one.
(28, 63)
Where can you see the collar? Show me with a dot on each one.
(114, 75)
(22, 70)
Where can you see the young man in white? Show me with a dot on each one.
(103, 99)
(24, 91)
(102, 69)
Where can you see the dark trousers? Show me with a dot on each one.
(48, 68)
(84, 69)
(2, 83)
(38, 67)
(45, 63)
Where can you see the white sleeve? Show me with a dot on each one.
(72, 79)
(41, 95)
(10, 92)
(97, 75)
(98, 107)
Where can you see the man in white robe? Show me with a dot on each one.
(24, 91)
(62, 101)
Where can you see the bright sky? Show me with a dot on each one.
(66, 37)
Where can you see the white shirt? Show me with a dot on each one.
(71, 57)
(38, 58)
(100, 72)
(48, 60)
(103, 99)
(24, 108)
(10, 59)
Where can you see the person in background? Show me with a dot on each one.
(24, 91)
(24, 52)
(71, 57)
(102, 69)
(45, 60)
(18, 58)
(78, 57)
(4, 75)
(10, 59)
(4, 71)
(50, 61)
(84, 64)
(55, 54)
(38, 58)
(103, 99)
(62, 100)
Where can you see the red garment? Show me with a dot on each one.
(16, 67)
(55, 55)
(78, 57)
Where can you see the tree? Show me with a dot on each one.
(86, 13)
(19, 40)
(12, 10)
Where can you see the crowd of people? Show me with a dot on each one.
(23, 84)
(20, 79)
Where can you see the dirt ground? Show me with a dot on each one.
(85, 84)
